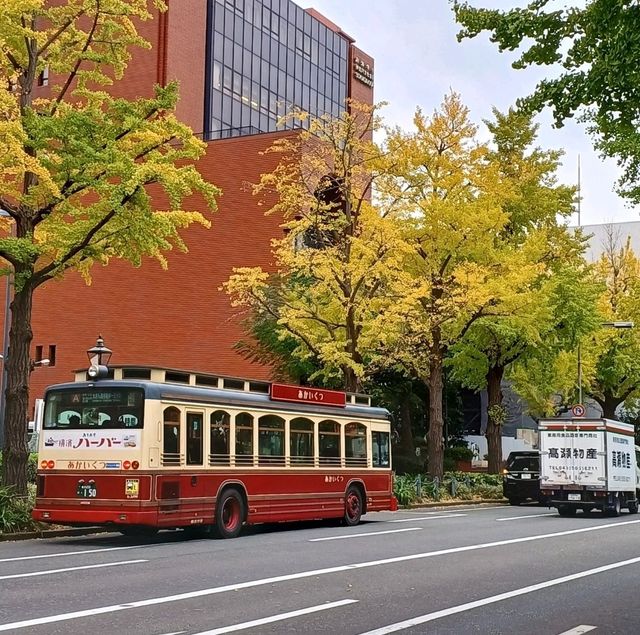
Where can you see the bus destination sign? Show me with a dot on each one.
(306, 394)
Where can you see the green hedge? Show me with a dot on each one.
(417, 488)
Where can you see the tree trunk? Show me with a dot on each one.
(609, 406)
(435, 449)
(18, 364)
(351, 381)
(494, 423)
(407, 446)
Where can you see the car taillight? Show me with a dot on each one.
(135, 465)
(126, 465)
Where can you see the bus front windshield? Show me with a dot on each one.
(84, 408)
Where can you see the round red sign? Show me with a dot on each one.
(578, 410)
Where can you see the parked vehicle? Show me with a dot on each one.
(521, 477)
(588, 464)
(156, 448)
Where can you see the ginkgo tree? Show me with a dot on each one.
(334, 266)
(534, 207)
(611, 356)
(76, 164)
(455, 273)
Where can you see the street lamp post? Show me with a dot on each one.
(613, 325)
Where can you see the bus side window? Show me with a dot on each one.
(380, 449)
(271, 439)
(219, 437)
(329, 441)
(171, 437)
(301, 441)
(244, 439)
(355, 438)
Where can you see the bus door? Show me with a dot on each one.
(195, 452)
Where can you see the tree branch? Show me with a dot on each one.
(76, 68)
(48, 272)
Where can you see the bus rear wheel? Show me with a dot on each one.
(352, 507)
(230, 513)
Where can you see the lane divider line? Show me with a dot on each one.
(578, 630)
(52, 571)
(529, 516)
(75, 553)
(277, 618)
(371, 533)
(413, 520)
(430, 617)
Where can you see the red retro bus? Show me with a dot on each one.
(154, 448)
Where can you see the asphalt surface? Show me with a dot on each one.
(487, 569)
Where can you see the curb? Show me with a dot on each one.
(55, 533)
(486, 501)
(86, 531)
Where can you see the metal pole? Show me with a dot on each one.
(579, 348)
(579, 374)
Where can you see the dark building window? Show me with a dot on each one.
(267, 58)
(52, 354)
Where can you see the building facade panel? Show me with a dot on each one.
(267, 59)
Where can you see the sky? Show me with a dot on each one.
(418, 60)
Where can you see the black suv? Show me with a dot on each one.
(521, 477)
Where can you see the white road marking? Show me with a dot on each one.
(578, 630)
(371, 533)
(430, 617)
(529, 516)
(51, 571)
(413, 520)
(297, 576)
(73, 553)
(175, 633)
(277, 618)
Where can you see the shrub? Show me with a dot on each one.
(459, 453)
(412, 488)
(15, 511)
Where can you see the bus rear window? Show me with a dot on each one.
(94, 408)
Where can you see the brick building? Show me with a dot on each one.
(240, 64)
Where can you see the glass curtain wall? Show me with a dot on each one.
(265, 58)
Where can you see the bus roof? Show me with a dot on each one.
(168, 391)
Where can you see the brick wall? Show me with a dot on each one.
(178, 318)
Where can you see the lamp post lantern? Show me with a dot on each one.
(99, 356)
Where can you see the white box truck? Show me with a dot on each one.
(588, 464)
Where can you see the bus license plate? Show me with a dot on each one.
(573, 497)
(87, 490)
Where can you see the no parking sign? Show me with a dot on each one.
(578, 410)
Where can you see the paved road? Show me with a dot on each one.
(490, 569)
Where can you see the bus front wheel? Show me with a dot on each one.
(352, 506)
(230, 513)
